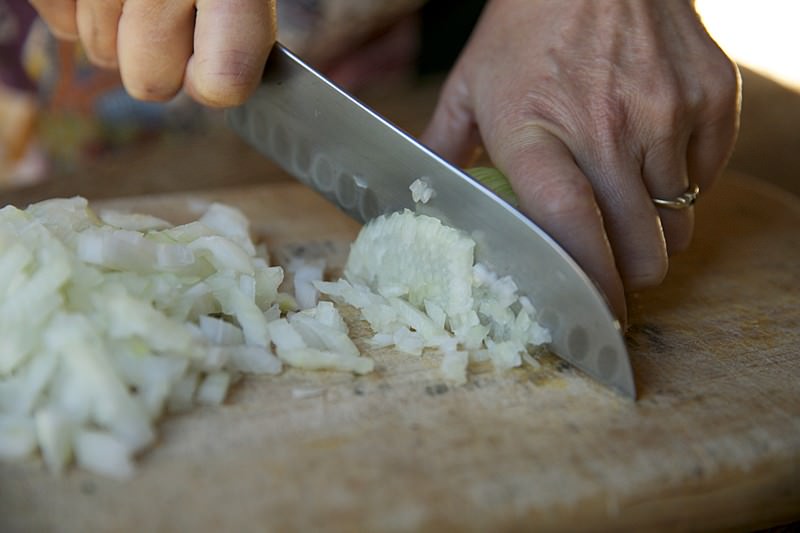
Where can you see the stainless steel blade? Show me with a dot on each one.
(364, 164)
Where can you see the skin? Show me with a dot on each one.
(601, 106)
(590, 107)
(213, 49)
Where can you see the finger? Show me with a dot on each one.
(59, 15)
(556, 195)
(97, 22)
(631, 220)
(231, 43)
(714, 136)
(665, 174)
(452, 132)
(154, 44)
(709, 149)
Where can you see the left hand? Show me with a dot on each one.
(592, 108)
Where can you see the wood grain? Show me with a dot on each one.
(713, 442)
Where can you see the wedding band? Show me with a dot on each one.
(687, 199)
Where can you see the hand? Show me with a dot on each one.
(216, 50)
(592, 108)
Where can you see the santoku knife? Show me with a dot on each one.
(365, 165)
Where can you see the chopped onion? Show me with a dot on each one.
(133, 221)
(422, 191)
(213, 389)
(254, 359)
(416, 283)
(454, 366)
(314, 359)
(306, 273)
(329, 349)
(285, 336)
(382, 340)
(230, 223)
(106, 322)
(102, 453)
(505, 355)
(223, 254)
(55, 434)
(408, 341)
(419, 252)
(317, 334)
(218, 331)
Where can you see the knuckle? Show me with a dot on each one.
(669, 103)
(724, 73)
(452, 100)
(725, 88)
(665, 112)
(716, 95)
(563, 198)
(534, 108)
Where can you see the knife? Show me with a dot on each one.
(365, 165)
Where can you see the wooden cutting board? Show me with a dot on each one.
(713, 442)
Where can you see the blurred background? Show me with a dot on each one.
(69, 128)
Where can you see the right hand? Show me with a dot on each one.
(216, 51)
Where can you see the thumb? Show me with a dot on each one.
(231, 43)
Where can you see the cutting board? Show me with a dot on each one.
(713, 441)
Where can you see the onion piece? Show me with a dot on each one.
(230, 223)
(220, 332)
(313, 359)
(317, 334)
(214, 388)
(306, 273)
(222, 254)
(454, 366)
(408, 341)
(133, 221)
(254, 359)
(422, 191)
(55, 433)
(415, 280)
(104, 454)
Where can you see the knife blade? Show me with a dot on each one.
(365, 165)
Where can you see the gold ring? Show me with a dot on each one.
(687, 199)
